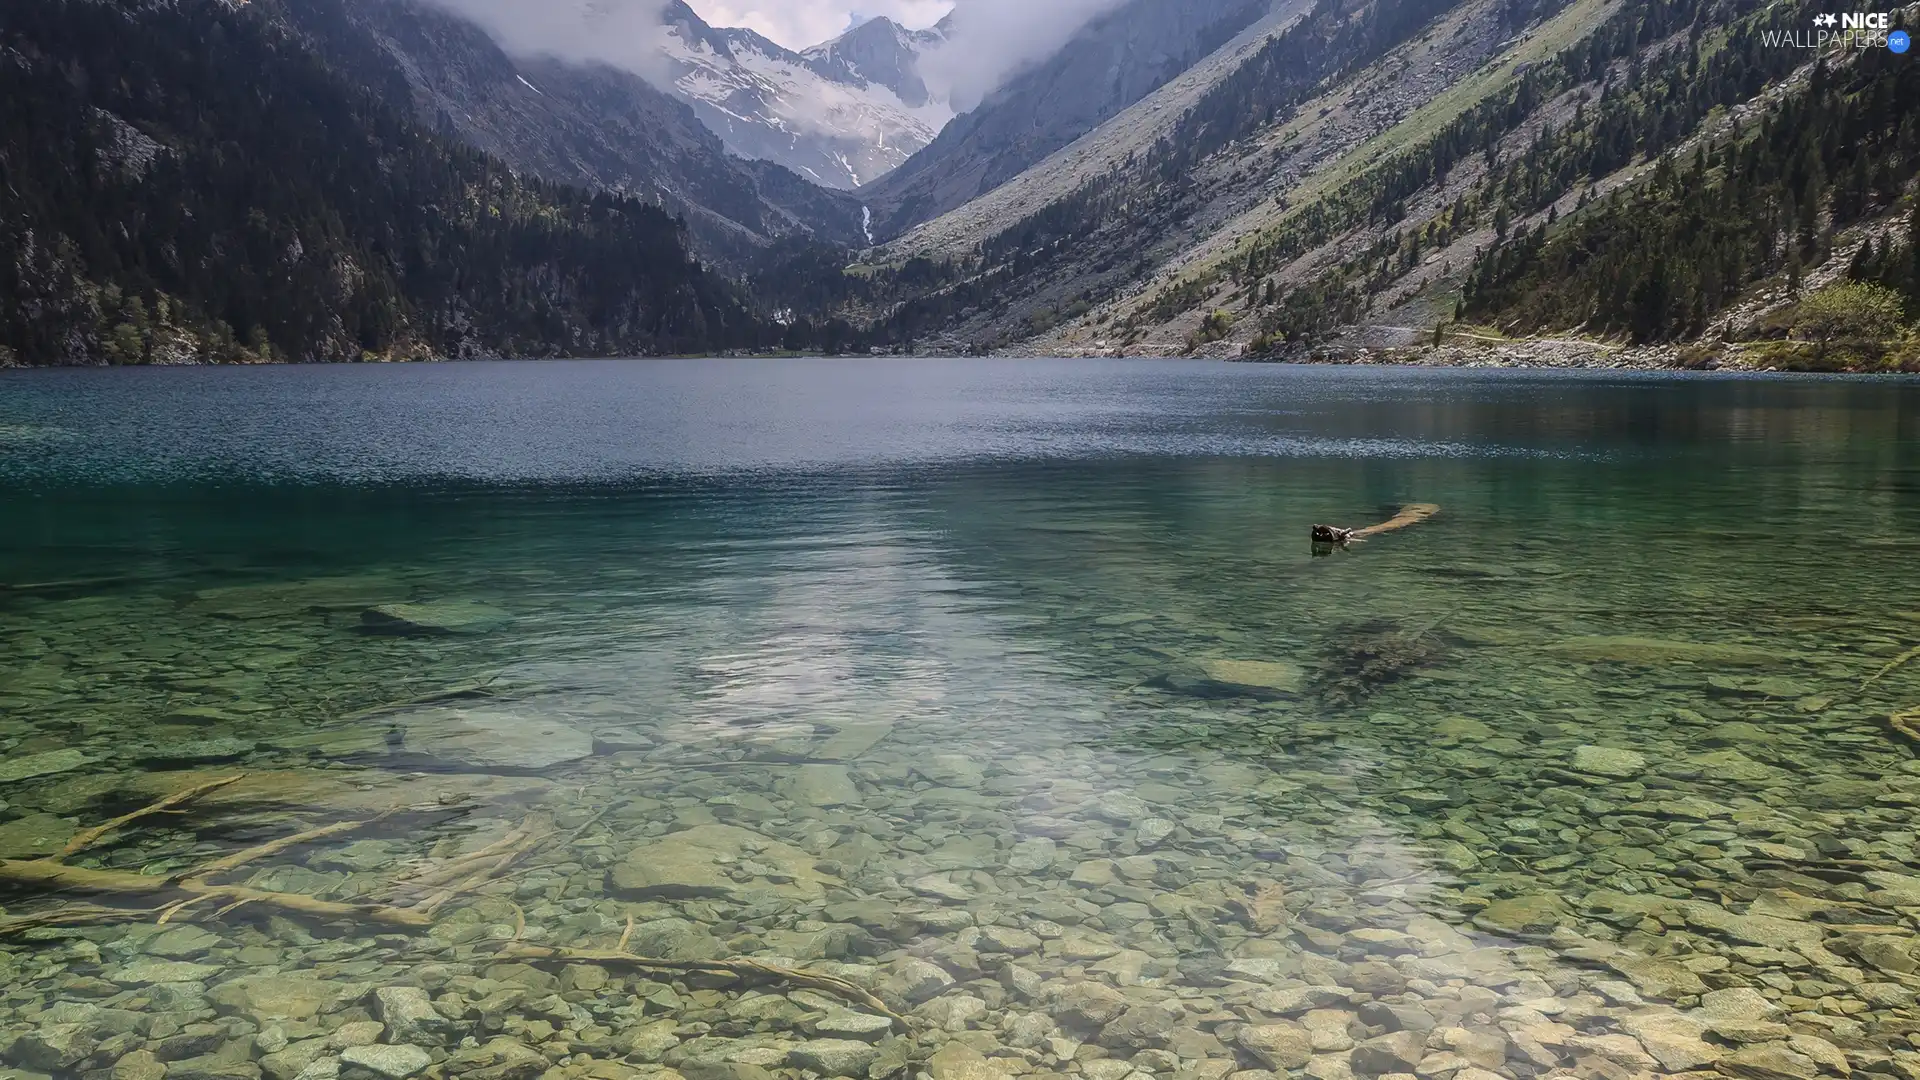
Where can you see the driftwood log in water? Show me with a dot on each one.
(1411, 514)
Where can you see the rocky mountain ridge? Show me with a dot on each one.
(840, 114)
(1110, 64)
(587, 125)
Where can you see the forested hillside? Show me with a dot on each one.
(1726, 204)
(1388, 172)
(1676, 175)
(1656, 261)
(183, 182)
(1097, 243)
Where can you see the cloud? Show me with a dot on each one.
(990, 40)
(799, 24)
(626, 34)
(993, 40)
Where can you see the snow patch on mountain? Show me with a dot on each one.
(840, 114)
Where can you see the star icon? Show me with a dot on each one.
(1826, 19)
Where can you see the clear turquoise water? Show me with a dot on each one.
(1027, 577)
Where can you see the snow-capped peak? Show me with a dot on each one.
(840, 113)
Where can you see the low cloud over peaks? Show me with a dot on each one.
(626, 34)
(990, 41)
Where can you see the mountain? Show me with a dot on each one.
(186, 181)
(839, 114)
(1344, 175)
(583, 124)
(1111, 63)
(883, 52)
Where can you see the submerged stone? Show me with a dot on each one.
(1768, 1061)
(49, 763)
(1608, 761)
(1677, 1042)
(1659, 978)
(267, 997)
(491, 738)
(1534, 914)
(1032, 855)
(958, 1061)
(834, 1057)
(144, 972)
(409, 1016)
(426, 619)
(200, 750)
(180, 942)
(34, 836)
(1279, 1045)
(822, 785)
(1766, 686)
(852, 740)
(390, 1062)
(501, 1058)
(1276, 675)
(1396, 1052)
(718, 860)
(282, 598)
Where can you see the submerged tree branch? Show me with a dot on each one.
(816, 980)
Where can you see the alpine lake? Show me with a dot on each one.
(737, 720)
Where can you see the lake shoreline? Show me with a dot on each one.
(1562, 353)
(1544, 355)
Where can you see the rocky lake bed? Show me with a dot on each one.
(1210, 875)
(725, 721)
